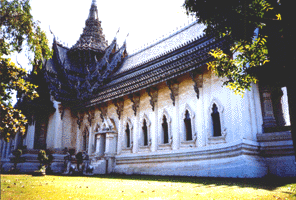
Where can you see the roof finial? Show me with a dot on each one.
(117, 31)
(93, 12)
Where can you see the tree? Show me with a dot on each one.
(18, 31)
(262, 38)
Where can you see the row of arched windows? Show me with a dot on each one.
(216, 125)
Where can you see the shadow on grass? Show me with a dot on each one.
(267, 183)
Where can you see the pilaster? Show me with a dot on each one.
(30, 136)
(154, 132)
(136, 131)
(258, 108)
(267, 107)
(90, 141)
(174, 87)
(247, 117)
(253, 112)
(58, 125)
(120, 136)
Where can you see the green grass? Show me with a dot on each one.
(143, 187)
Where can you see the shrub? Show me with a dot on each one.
(17, 158)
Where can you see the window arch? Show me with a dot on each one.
(188, 127)
(217, 131)
(165, 130)
(144, 136)
(145, 132)
(165, 136)
(188, 134)
(128, 135)
(216, 122)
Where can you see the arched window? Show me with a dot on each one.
(165, 130)
(216, 121)
(187, 121)
(145, 133)
(128, 136)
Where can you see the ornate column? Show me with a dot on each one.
(120, 136)
(267, 108)
(78, 135)
(277, 95)
(197, 78)
(30, 136)
(91, 142)
(119, 104)
(174, 87)
(135, 98)
(253, 111)
(247, 117)
(153, 94)
(58, 124)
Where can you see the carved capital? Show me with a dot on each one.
(153, 94)
(135, 98)
(198, 81)
(267, 107)
(174, 87)
(90, 116)
(119, 104)
(103, 109)
(61, 110)
(79, 117)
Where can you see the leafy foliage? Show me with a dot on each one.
(18, 31)
(238, 20)
(45, 158)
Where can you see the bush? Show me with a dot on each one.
(17, 159)
(43, 159)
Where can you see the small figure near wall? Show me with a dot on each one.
(82, 162)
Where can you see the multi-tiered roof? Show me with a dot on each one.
(77, 73)
(93, 72)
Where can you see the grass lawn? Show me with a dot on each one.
(142, 187)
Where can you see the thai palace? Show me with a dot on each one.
(158, 111)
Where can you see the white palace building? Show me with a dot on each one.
(159, 111)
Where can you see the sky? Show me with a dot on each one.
(144, 21)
